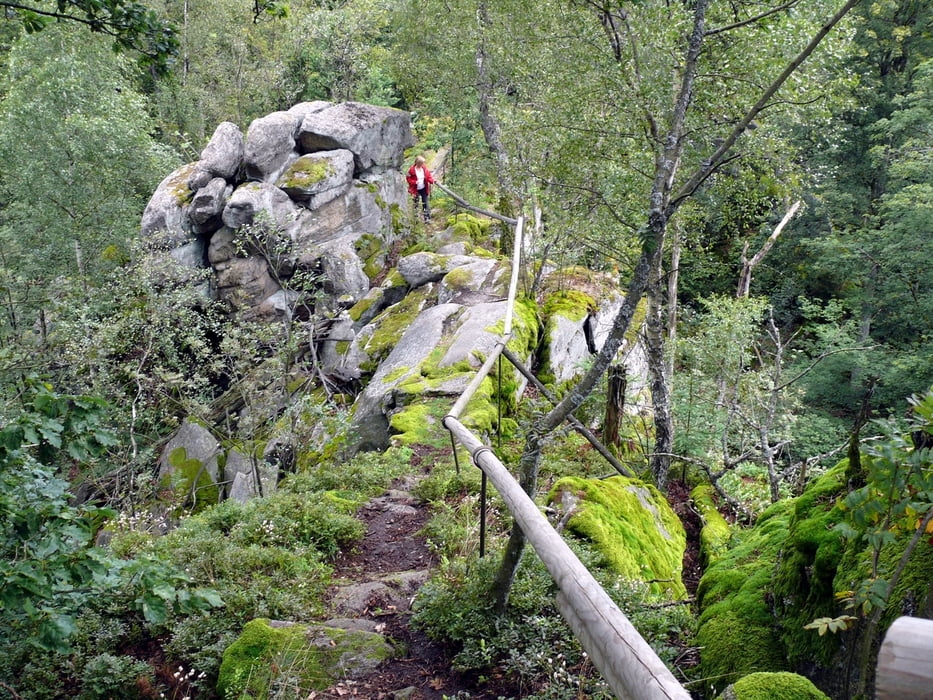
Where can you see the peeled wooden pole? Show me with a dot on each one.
(905, 661)
(626, 661)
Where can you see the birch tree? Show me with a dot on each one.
(690, 103)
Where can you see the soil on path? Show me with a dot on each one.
(376, 587)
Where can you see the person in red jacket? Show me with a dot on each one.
(419, 180)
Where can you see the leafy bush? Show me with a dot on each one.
(109, 677)
(531, 643)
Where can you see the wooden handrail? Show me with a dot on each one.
(626, 661)
(905, 661)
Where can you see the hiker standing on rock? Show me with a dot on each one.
(419, 180)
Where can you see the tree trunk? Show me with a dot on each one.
(662, 205)
(615, 404)
(660, 382)
(491, 133)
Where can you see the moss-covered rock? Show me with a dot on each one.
(757, 597)
(737, 630)
(190, 481)
(631, 524)
(715, 534)
(773, 686)
(310, 657)
(803, 587)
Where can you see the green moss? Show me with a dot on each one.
(631, 524)
(190, 481)
(305, 172)
(569, 303)
(371, 250)
(714, 537)
(178, 185)
(737, 628)
(774, 686)
(738, 647)
(803, 585)
(392, 323)
(468, 227)
(420, 423)
(458, 278)
(309, 658)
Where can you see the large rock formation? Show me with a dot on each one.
(322, 176)
(316, 192)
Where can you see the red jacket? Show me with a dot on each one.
(412, 180)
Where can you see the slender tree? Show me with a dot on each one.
(667, 195)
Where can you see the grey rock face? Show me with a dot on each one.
(270, 145)
(377, 136)
(223, 154)
(317, 178)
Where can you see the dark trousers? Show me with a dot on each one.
(422, 197)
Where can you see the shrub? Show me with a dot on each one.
(109, 677)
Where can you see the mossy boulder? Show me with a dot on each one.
(773, 686)
(737, 629)
(758, 595)
(716, 532)
(190, 482)
(631, 524)
(307, 657)
(804, 585)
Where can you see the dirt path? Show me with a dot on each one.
(376, 586)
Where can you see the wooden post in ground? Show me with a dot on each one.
(905, 662)
(615, 404)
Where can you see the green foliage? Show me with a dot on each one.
(50, 568)
(895, 500)
(132, 25)
(109, 677)
(530, 642)
(79, 160)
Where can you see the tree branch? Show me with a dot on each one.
(752, 20)
(704, 170)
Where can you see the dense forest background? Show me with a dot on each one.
(573, 108)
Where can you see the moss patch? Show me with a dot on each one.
(304, 173)
(466, 227)
(773, 686)
(391, 324)
(190, 480)
(420, 423)
(371, 250)
(631, 524)
(311, 658)
(714, 537)
(803, 586)
(569, 303)
(737, 628)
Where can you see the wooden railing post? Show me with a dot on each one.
(905, 661)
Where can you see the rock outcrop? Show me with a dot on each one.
(322, 176)
(316, 193)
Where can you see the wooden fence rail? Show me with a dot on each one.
(626, 661)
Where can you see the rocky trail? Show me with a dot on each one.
(376, 585)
